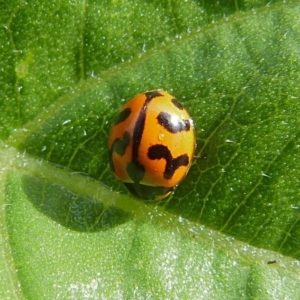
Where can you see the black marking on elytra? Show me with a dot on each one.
(123, 115)
(134, 169)
(119, 146)
(173, 125)
(172, 164)
(177, 104)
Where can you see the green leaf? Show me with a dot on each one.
(69, 229)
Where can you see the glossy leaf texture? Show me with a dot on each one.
(69, 229)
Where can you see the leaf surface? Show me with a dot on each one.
(70, 230)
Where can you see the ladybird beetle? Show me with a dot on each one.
(151, 144)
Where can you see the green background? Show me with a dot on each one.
(69, 229)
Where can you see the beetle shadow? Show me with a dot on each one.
(74, 211)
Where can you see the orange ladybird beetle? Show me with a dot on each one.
(151, 144)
